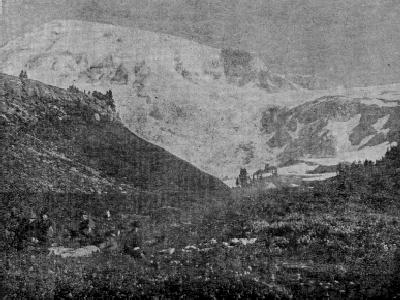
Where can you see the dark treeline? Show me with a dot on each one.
(107, 97)
(368, 179)
(376, 184)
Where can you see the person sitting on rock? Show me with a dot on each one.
(17, 229)
(132, 241)
(11, 225)
(32, 217)
(44, 227)
(86, 227)
(111, 243)
(21, 232)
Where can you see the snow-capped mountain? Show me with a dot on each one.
(216, 108)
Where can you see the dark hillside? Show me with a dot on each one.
(56, 141)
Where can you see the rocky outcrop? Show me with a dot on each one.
(241, 68)
(121, 75)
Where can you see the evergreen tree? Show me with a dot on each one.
(109, 94)
(23, 75)
(73, 89)
(110, 99)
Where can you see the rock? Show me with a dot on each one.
(169, 251)
(121, 75)
(243, 241)
(70, 252)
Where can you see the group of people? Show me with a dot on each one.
(22, 230)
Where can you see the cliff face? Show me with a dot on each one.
(56, 141)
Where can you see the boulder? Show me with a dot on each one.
(71, 252)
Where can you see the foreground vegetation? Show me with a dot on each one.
(332, 239)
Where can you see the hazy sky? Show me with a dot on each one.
(353, 42)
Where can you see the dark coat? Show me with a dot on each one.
(132, 243)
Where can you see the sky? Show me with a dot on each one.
(350, 42)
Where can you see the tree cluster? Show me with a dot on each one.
(73, 89)
(107, 97)
(378, 180)
(23, 75)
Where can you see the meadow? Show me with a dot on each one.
(302, 243)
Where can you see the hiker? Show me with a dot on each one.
(31, 227)
(44, 227)
(12, 224)
(86, 227)
(111, 243)
(32, 217)
(133, 241)
(21, 233)
(17, 228)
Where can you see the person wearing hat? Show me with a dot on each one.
(86, 226)
(21, 227)
(111, 243)
(32, 217)
(133, 241)
(12, 225)
(44, 227)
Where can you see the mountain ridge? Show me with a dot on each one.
(203, 104)
(59, 141)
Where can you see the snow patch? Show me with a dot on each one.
(319, 177)
(296, 169)
(379, 102)
(370, 152)
(341, 132)
(381, 123)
